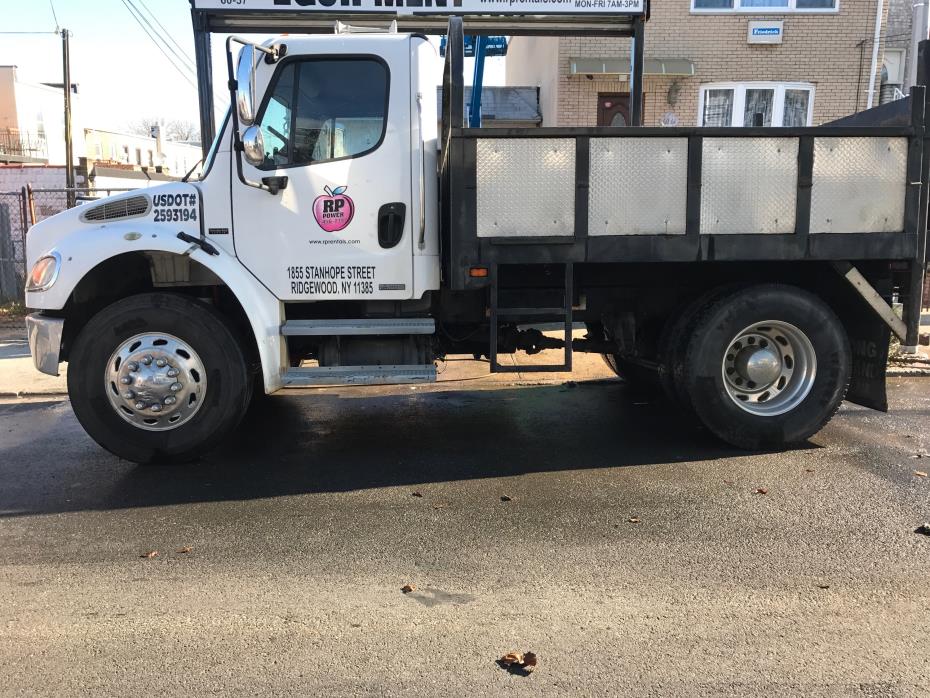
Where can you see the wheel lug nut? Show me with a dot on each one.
(175, 387)
(161, 363)
(147, 359)
(156, 407)
(128, 395)
(132, 366)
(172, 372)
(140, 405)
(170, 400)
(125, 380)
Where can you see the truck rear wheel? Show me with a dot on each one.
(767, 367)
(158, 377)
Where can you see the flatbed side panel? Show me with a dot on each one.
(703, 195)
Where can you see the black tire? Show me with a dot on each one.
(204, 330)
(673, 346)
(722, 321)
(640, 377)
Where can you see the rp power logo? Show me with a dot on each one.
(333, 210)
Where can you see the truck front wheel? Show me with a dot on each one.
(767, 367)
(158, 377)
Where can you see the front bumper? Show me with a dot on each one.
(45, 341)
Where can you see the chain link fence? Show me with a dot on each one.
(20, 210)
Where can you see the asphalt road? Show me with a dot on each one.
(303, 529)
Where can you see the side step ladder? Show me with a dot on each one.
(358, 375)
(565, 312)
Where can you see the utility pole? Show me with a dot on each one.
(69, 145)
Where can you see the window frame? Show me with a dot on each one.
(739, 100)
(273, 85)
(790, 9)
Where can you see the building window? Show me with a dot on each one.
(758, 6)
(756, 104)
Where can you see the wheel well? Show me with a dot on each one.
(142, 272)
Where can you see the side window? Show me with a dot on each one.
(325, 109)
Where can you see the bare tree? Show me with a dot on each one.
(182, 130)
(143, 127)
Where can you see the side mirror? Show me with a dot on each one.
(253, 146)
(245, 86)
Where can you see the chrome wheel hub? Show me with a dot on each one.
(769, 368)
(155, 381)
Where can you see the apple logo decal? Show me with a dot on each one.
(333, 210)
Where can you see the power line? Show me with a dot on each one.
(182, 59)
(159, 46)
(165, 32)
(55, 16)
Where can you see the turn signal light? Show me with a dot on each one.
(478, 272)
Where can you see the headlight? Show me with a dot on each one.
(44, 272)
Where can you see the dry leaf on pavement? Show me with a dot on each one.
(150, 554)
(506, 498)
(186, 549)
(761, 490)
(920, 473)
(633, 519)
(511, 658)
(517, 663)
(416, 494)
(407, 588)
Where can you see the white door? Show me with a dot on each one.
(337, 125)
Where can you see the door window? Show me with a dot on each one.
(324, 109)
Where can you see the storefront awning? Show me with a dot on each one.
(680, 67)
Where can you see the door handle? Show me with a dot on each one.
(391, 219)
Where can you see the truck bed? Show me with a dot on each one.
(680, 194)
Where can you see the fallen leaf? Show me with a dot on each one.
(440, 504)
(761, 490)
(506, 498)
(808, 470)
(517, 663)
(920, 473)
(186, 549)
(823, 586)
(529, 662)
(416, 494)
(728, 482)
(511, 658)
(923, 529)
(633, 519)
(407, 588)
(150, 554)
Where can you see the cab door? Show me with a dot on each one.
(337, 125)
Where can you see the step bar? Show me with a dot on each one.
(356, 327)
(358, 375)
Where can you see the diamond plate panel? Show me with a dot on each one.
(526, 187)
(859, 185)
(639, 186)
(749, 185)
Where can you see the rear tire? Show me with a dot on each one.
(212, 390)
(767, 367)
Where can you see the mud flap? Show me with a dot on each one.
(869, 339)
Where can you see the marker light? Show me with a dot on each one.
(478, 272)
(44, 272)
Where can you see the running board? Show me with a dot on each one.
(358, 375)
(364, 326)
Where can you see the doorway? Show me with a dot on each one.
(613, 109)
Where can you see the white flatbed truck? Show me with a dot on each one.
(338, 237)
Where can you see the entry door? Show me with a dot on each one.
(337, 126)
(613, 110)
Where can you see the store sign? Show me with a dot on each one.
(434, 7)
(766, 32)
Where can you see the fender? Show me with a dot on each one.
(86, 247)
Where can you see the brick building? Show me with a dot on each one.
(714, 63)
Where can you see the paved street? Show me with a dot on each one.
(303, 530)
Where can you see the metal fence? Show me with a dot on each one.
(20, 210)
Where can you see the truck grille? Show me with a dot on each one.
(130, 207)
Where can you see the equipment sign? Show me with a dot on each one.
(457, 7)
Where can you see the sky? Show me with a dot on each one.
(123, 76)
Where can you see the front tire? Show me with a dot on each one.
(767, 367)
(158, 378)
